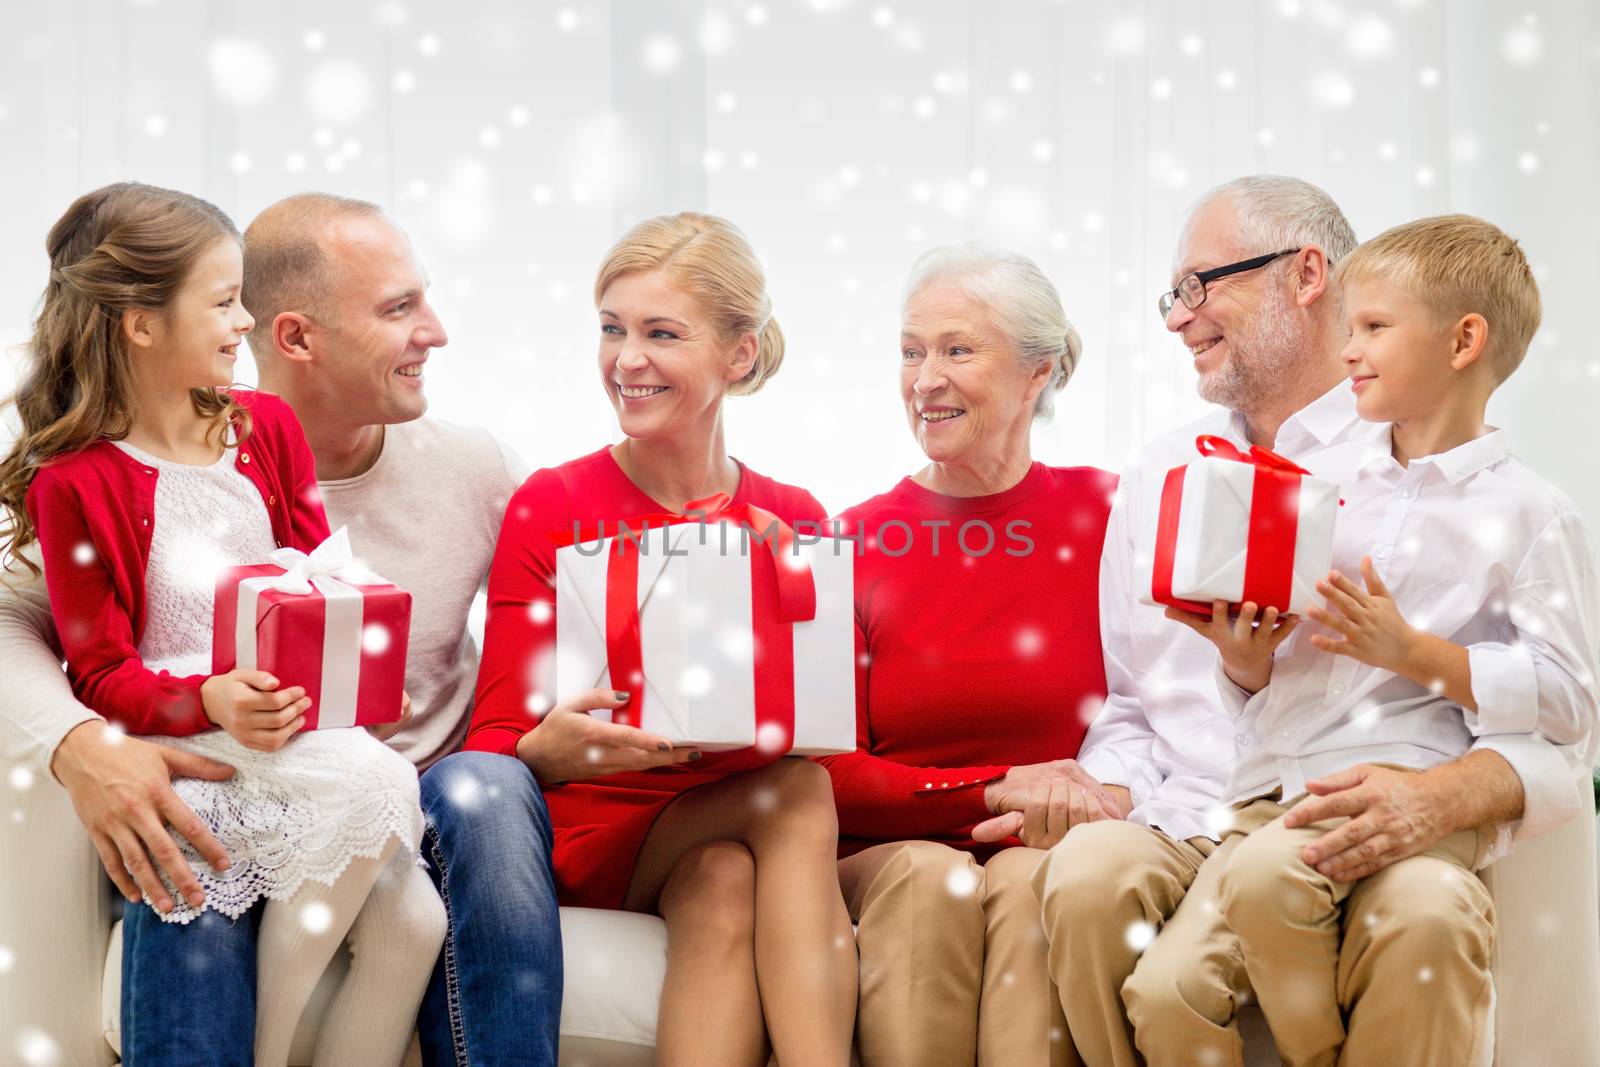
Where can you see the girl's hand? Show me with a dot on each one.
(1246, 648)
(254, 711)
(1369, 620)
(386, 730)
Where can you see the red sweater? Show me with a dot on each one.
(974, 662)
(95, 509)
(599, 823)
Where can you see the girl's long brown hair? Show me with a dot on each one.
(119, 248)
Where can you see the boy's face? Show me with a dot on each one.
(1398, 356)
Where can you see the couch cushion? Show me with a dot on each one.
(615, 964)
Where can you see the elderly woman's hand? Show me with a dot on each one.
(1040, 802)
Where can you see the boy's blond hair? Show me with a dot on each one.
(1457, 265)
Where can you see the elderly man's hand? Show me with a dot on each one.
(1394, 814)
(1040, 802)
(121, 788)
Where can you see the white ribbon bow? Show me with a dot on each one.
(331, 559)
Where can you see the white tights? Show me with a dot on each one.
(389, 912)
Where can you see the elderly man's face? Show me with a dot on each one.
(1244, 337)
(382, 326)
(967, 392)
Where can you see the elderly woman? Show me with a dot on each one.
(981, 666)
(733, 850)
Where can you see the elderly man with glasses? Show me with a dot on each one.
(1255, 304)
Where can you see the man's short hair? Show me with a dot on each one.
(1456, 265)
(1276, 212)
(285, 266)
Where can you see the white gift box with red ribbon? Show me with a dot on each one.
(1239, 526)
(724, 638)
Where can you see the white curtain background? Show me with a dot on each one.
(516, 140)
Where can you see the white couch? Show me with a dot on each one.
(60, 952)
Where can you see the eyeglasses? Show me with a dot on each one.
(1192, 288)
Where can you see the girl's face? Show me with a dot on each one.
(662, 363)
(195, 342)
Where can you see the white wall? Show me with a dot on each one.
(516, 139)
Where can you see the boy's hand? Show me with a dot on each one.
(254, 711)
(1370, 622)
(1246, 648)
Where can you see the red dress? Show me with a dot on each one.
(974, 661)
(600, 823)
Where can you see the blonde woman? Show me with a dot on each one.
(734, 850)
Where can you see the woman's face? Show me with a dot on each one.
(966, 391)
(662, 363)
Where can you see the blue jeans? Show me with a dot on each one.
(495, 996)
(188, 992)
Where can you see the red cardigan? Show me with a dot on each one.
(94, 510)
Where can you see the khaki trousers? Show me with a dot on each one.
(1103, 892)
(953, 966)
(1404, 953)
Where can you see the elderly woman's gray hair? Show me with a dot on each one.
(1023, 302)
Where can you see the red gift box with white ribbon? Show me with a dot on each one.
(1240, 526)
(321, 621)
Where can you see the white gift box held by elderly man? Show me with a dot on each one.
(343, 329)
(1253, 304)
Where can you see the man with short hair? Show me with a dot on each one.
(343, 331)
(1254, 303)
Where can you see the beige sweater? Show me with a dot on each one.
(425, 516)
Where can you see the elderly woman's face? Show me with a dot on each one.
(661, 360)
(964, 386)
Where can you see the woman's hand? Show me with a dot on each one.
(384, 731)
(1040, 802)
(254, 711)
(1246, 648)
(570, 744)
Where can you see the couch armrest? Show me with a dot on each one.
(1547, 946)
(55, 913)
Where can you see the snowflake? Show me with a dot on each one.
(21, 778)
(465, 792)
(242, 72)
(1331, 90)
(1139, 935)
(338, 91)
(8, 960)
(316, 917)
(772, 739)
(375, 639)
(37, 1048)
(1369, 37)
(1522, 45)
(962, 881)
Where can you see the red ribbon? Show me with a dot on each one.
(782, 592)
(1274, 522)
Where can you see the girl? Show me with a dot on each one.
(140, 474)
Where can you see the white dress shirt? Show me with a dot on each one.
(1475, 548)
(1164, 732)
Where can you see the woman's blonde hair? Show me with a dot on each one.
(710, 260)
(122, 247)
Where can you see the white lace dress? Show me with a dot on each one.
(305, 811)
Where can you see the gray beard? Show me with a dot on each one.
(1261, 361)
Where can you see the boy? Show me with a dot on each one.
(1478, 613)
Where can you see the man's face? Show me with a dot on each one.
(382, 328)
(1246, 336)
